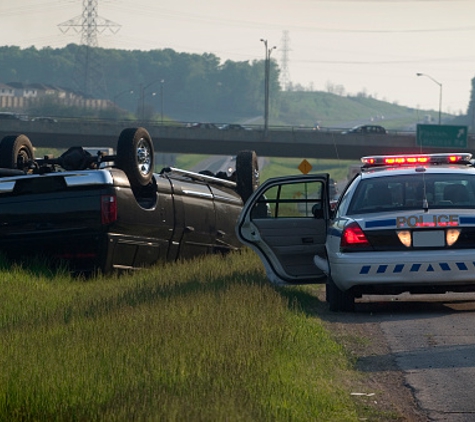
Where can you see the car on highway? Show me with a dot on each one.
(201, 125)
(9, 115)
(234, 126)
(405, 223)
(104, 209)
(44, 119)
(366, 130)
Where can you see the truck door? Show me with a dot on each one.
(195, 218)
(285, 223)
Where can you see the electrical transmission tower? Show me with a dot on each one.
(284, 62)
(88, 75)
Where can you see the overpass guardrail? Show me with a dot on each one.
(279, 141)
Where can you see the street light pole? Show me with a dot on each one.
(130, 91)
(440, 93)
(161, 100)
(266, 85)
(142, 90)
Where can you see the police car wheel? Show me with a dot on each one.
(337, 299)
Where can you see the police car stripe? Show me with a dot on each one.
(365, 269)
(390, 222)
(399, 268)
(467, 220)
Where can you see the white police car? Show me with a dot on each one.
(404, 224)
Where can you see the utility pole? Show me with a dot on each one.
(142, 97)
(88, 76)
(440, 92)
(266, 86)
(161, 100)
(284, 61)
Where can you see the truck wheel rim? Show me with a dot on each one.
(144, 159)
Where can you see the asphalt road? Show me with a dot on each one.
(433, 341)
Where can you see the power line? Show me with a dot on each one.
(284, 61)
(88, 75)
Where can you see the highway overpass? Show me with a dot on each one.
(279, 142)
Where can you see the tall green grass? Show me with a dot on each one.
(338, 169)
(209, 340)
(274, 167)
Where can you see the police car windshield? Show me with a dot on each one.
(413, 191)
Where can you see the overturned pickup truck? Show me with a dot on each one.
(106, 212)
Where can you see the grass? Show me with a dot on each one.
(188, 161)
(341, 111)
(338, 169)
(206, 340)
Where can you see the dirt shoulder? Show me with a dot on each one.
(382, 384)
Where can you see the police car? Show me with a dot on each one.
(403, 224)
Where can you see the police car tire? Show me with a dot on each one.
(247, 174)
(337, 299)
(14, 147)
(138, 168)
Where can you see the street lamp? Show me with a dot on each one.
(268, 52)
(129, 91)
(142, 90)
(440, 93)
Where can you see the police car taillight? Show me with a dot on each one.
(415, 159)
(353, 237)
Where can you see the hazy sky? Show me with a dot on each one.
(375, 46)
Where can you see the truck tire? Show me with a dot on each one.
(339, 300)
(247, 174)
(135, 156)
(15, 152)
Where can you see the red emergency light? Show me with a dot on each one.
(416, 159)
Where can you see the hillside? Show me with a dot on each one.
(299, 108)
(307, 108)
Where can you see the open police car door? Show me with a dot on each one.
(285, 223)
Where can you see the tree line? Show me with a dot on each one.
(182, 85)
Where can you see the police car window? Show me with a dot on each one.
(293, 200)
(412, 192)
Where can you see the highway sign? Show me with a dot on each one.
(443, 136)
(305, 167)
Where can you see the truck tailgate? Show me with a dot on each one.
(47, 204)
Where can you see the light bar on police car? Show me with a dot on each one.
(415, 159)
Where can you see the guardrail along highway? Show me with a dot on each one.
(281, 142)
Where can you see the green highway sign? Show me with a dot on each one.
(443, 136)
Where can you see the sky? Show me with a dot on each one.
(375, 47)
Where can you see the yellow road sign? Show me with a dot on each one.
(305, 167)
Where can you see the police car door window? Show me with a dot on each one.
(293, 200)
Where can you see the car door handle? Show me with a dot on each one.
(307, 240)
(189, 229)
